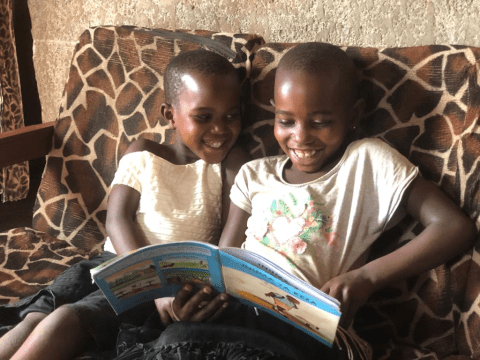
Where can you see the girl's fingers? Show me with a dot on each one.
(346, 308)
(186, 304)
(212, 309)
(333, 291)
(183, 295)
(219, 311)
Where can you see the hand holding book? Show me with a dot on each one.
(205, 304)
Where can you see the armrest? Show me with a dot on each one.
(24, 144)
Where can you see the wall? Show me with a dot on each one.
(56, 24)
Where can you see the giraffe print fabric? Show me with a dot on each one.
(424, 101)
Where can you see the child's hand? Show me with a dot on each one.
(203, 305)
(352, 289)
(164, 308)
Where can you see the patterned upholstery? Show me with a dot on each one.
(112, 96)
(14, 179)
(424, 101)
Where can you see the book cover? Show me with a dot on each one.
(160, 270)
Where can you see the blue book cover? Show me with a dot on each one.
(157, 271)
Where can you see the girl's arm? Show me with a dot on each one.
(231, 165)
(233, 233)
(448, 232)
(123, 203)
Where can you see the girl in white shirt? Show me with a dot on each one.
(317, 209)
(160, 193)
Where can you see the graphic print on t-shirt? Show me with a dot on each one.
(293, 224)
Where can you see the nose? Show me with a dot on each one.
(219, 127)
(301, 134)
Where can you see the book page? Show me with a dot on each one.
(276, 271)
(256, 287)
(158, 271)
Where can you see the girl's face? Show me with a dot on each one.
(313, 116)
(206, 116)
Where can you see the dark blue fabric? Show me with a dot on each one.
(72, 285)
(182, 341)
(238, 331)
(102, 324)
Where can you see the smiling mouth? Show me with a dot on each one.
(214, 144)
(302, 154)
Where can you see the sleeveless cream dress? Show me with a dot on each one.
(177, 202)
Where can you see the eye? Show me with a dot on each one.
(202, 117)
(285, 122)
(321, 123)
(232, 116)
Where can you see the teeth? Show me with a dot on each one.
(304, 154)
(214, 145)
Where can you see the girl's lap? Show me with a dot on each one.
(239, 330)
(71, 286)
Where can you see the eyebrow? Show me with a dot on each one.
(322, 112)
(211, 108)
(202, 108)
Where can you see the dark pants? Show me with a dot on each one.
(238, 334)
(71, 286)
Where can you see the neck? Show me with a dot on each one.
(179, 154)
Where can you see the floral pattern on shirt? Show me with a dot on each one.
(293, 224)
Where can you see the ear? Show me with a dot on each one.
(167, 112)
(357, 112)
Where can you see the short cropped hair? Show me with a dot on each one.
(317, 57)
(199, 61)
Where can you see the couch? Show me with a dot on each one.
(424, 101)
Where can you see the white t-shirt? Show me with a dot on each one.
(318, 230)
(177, 202)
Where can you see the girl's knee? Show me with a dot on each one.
(34, 318)
(65, 317)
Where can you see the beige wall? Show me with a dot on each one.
(56, 24)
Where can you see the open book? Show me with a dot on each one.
(160, 270)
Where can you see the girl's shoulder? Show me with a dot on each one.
(367, 143)
(371, 146)
(145, 146)
(380, 156)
